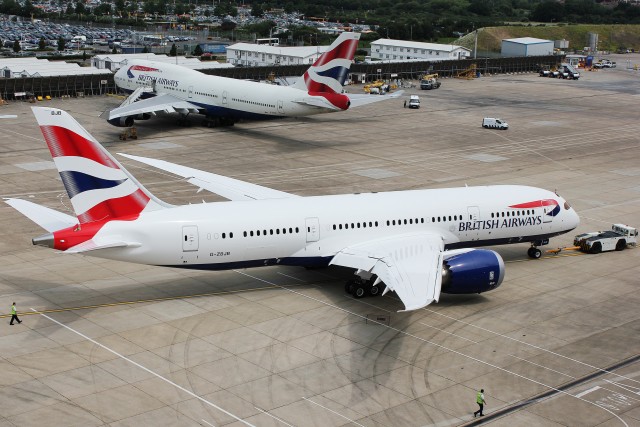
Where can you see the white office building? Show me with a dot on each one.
(256, 55)
(402, 50)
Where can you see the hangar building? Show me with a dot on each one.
(399, 50)
(526, 46)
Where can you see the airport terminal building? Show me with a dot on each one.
(260, 55)
(399, 50)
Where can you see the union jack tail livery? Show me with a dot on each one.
(329, 73)
(100, 189)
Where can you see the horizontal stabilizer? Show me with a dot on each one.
(49, 219)
(93, 245)
(318, 102)
(360, 99)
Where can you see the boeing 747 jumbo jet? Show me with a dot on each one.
(173, 88)
(417, 243)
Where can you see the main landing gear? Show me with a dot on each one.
(360, 288)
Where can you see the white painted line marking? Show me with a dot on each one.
(437, 345)
(529, 344)
(630, 389)
(190, 393)
(543, 367)
(331, 410)
(291, 277)
(273, 416)
(208, 423)
(584, 393)
(450, 333)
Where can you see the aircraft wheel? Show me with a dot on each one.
(534, 253)
(374, 290)
(621, 245)
(359, 291)
(596, 248)
(348, 287)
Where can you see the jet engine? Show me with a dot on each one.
(471, 271)
(122, 122)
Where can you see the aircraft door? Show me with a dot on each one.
(473, 231)
(224, 98)
(190, 92)
(313, 229)
(280, 107)
(189, 238)
(546, 218)
(474, 213)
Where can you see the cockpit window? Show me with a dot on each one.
(567, 206)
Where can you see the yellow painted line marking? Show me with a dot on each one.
(142, 301)
(545, 257)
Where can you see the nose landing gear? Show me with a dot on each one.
(534, 252)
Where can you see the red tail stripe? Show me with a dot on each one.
(122, 208)
(64, 142)
(346, 49)
(314, 86)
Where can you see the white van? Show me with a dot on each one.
(490, 122)
(414, 101)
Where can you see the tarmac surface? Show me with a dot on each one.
(105, 343)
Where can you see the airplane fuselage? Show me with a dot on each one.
(225, 97)
(310, 231)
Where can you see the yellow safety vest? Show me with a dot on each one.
(479, 398)
(13, 309)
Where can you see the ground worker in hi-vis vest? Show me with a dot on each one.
(14, 314)
(480, 401)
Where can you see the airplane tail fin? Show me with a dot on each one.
(329, 73)
(99, 187)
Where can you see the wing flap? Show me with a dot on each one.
(229, 188)
(409, 264)
(167, 103)
(49, 219)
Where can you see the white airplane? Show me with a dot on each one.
(417, 243)
(158, 87)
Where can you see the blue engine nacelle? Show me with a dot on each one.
(472, 272)
(122, 122)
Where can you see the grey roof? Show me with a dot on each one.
(34, 67)
(418, 45)
(527, 40)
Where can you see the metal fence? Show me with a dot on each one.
(85, 85)
(404, 70)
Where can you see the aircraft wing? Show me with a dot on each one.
(49, 219)
(409, 264)
(359, 99)
(229, 188)
(162, 103)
